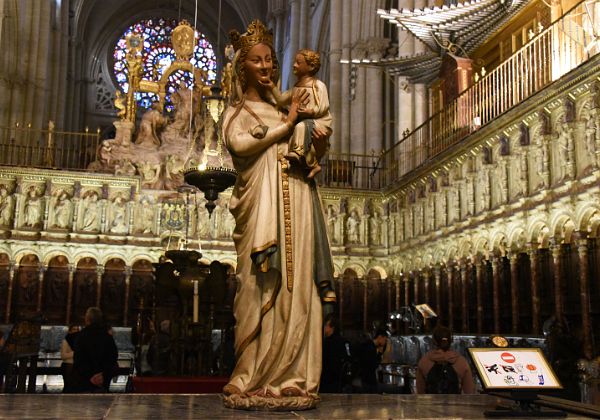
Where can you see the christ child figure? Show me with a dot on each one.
(315, 111)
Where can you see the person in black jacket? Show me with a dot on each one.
(335, 355)
(95, 356)
(369, 358)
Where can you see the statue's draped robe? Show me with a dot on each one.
(278, 327)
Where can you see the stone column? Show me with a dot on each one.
(437, 275)
(584, 296)
(496, 273)
(464, 270)
(514, 291)
(556, 250)
(407, 290)
(535, 294)
(417, 279)
(99, 273)
(335, 70)
(397, 281)
(11, 281)
(450, 276)
(479, 267)
(72, 268)
(128, 272)
(41, 270)
(304, 31)
(344, 117)
(503, 163)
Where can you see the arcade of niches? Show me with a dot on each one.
(497, 233)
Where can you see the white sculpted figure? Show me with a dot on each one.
(376, 228)
(119, 215)
(91, 208)
(280, 229)
(7, 204)
(306, 65)
(33, 208)
(331, 220)
(62, 211)
(146, 216)
(352, 226)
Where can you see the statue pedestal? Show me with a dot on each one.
(260, 403)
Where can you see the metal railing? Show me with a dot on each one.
(47, 148)
(344, 170)
(549, 55)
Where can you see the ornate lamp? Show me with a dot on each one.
(212, 176)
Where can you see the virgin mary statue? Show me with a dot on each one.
(284, 267)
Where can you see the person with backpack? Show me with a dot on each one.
(442, 370)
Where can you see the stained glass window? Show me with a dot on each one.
(157, 57)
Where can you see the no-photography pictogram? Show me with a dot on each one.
(508, 357)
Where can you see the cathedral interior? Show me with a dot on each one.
(463, 171)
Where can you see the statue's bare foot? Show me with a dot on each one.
(314, 171)
(291, 391)
(293, 156)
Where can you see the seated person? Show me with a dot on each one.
(369, 358)
(66, 354)
(442, 370)
(95, 355)
(336, 357)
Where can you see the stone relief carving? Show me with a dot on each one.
(119, 221)
(353, 227)
(63, 208)
(7, 206)
(90, 221)
(33, 209)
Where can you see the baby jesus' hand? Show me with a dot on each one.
(268, 84)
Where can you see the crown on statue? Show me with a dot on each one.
(256, 33)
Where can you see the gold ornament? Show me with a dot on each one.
(182, 38)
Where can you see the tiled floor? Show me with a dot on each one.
(179, 407)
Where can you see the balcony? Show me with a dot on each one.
(550, 54)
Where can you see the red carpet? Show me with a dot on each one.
(179, 384)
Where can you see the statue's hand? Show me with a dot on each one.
(319, 140)
(268, 84)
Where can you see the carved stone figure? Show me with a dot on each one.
(174, 171)
(33, 208)
(352, 226)
(91, 211)
(288, 331)
(376, 223)
(331, 220)
(150, 173)
(150, 125)
(124, 167)
(118, 223)
(590, 138)
(62, 211)
(146, 216)
(7, 204)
